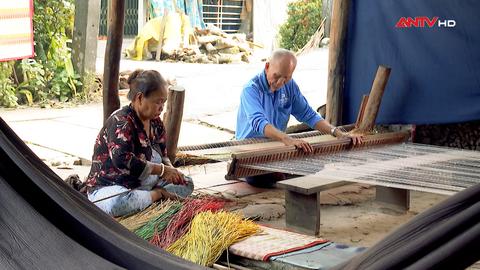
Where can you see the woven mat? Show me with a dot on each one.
(273, 242)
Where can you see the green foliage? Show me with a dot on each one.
(52, 22)
(304, 17)
(34, 80)
(7, 87)
(50, 75)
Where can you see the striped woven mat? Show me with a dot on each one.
(272, 242)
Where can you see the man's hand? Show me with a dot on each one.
(356, 138)
(173, 176)
(273, 133)
(299, 144)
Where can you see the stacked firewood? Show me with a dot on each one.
(215, 47)
(172, 38)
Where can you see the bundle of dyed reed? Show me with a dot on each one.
(159, 222)
(180, 223)
(135, 221)
(210, 234)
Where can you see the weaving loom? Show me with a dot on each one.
(385, 160)
(406, 165)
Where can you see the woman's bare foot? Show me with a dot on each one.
(161, 194)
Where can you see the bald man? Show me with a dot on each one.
(266, 103)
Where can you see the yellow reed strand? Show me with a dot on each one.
(210, 234)
(139, 219)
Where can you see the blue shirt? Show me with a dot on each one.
(259, 107)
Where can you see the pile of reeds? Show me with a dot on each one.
(180, 223)
(152, 220)
(210, 234)
(197, 229)
(137, 220)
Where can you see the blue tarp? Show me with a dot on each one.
(193, 8)
(433, 48)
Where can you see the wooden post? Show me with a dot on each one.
(160, 37)
(396, 198)
(336, 61)
(327, 14)
(302, 212)
(361, 111)
(374, 99)
(172, 119)
(116, 19)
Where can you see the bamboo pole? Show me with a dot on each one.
(116, 19)
(173, 119)
(336, 61)
(374, 99)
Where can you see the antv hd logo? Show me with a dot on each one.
(424, 22)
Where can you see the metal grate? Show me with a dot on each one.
(103, 18)
(225, 14)
(131, 18)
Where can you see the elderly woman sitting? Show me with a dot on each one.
(130, 168)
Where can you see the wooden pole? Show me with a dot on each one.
(172, 119)
(336, 61)
(327, 14)
(374, 99)
(158, 56)
(116, 19)
(361, 111)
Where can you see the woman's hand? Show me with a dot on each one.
(173, 176)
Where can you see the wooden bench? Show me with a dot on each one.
(302, 200)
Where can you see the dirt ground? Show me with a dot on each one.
(350, 214)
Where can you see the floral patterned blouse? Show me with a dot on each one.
(122, 149)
